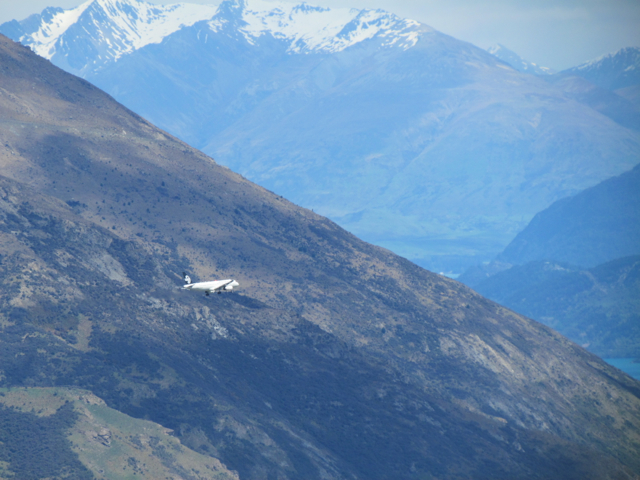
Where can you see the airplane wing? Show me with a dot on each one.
(223, 285)
(220, 284)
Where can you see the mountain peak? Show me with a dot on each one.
(108, 29)
(308, 28)
(611, 71)
(516, 61)
(629, 55)
(227, 6)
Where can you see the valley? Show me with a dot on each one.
(408, 138)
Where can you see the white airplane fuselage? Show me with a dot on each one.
(213, 286)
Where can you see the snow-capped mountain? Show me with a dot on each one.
(84, 39)
(97, 32)
(405, 136)
(611, 71)
(309, 29)
(516, 61)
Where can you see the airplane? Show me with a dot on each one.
(216, 286)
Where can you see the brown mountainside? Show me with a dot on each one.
(338, 359)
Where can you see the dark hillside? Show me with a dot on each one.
(337, 359)
(37, 448)
(598, 308)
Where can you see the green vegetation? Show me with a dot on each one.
(36, 447)
(70, 433)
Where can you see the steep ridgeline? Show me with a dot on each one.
(337, 360)
(405, 136)
(516, 61)
(609, 84)
(595, 226)
(575, 268)
(614, 71)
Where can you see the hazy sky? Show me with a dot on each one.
(552, 33)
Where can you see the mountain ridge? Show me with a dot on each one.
(597, 225)
(613, 71)
(574, 267)
(516, 61)
(53, 33)
(124, 26)
(338, 359)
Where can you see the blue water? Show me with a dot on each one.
(627, 365)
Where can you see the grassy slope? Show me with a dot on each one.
(110, 444)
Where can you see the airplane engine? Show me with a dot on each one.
(229, 287)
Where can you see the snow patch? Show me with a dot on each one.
(123, 25)
(113, 28)
(316, 29)
(43, 40)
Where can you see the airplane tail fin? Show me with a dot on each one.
(187, 279)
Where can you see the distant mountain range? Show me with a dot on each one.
(598, 225)
(96, 33)
(614, 71)
(337, 360)
(516, 61)
(599, 308)
(609, 84)
(405, 136)
(575, 268)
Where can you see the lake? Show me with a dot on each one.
(630, 366)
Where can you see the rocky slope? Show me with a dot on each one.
(338, 360)
(406, 137)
